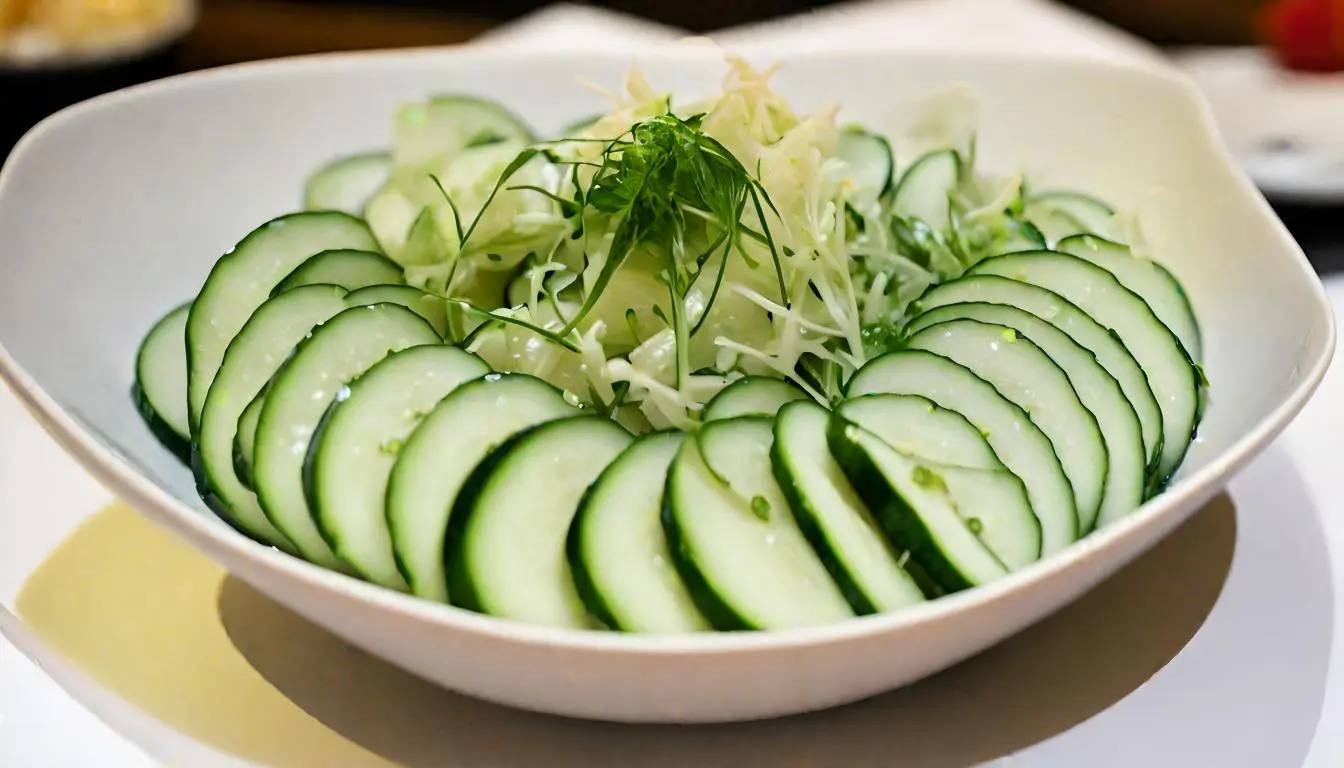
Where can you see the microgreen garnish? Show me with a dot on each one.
(523, 158)
(549, 335)
(568, 207)
(620, 391)
(632, 320)
(457, 216)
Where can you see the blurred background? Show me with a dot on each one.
(1273, 69)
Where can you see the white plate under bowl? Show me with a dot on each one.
(1283, 126)
(113, 211)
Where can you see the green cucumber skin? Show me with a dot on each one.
(719, 614)
(713, 413)
(177, 444)
(222, 511)
(899, 184)
(901, 524)
(1159, 483)
(310, 475)
(578, 567)
(297, 276)
(805, 517)
(462, 590)
(888, 184)
(241, 467)
(225, 262)
(278, 381)
(592, 598)
(170, 440)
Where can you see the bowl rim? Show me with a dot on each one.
(119, 476)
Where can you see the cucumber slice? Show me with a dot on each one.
(1150, 280)
(1021, 372)
(918, 427)
(1067, 317)
(911, 503)
(869, 163)
(243, 278)
(926, 188)
(338, 351)
(356, 444)
(841, 530)
(433, 309)
(1097, 389)
(743, 558)
(261, 347)
(160, 388)
(994, 505)
(947, 443)
(1171, 373)
(493, 569)
(617, 550)
(346, 183)
(1059, 214)
(1022, 236)
(751, 396)
(512, 347)
(245, 439)
(430, 308)
(439, 455)
(1015, 438)
(425, 247)
(391, 213)
(349, 269)
(430, 132)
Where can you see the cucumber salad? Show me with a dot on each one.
(683, 366)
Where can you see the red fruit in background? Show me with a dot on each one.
(1306, 34)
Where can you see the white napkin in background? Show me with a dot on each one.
(995, 25)
(960, 24)
(569, 26)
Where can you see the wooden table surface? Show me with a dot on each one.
(230, 31)
(241, 30)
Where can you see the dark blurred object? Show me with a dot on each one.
(1305, 35)
(1180, 22)
(691, 16)
(1317, 229)
(28, 94)
(225, 32)
(231, 31)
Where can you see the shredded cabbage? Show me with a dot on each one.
(664, 250)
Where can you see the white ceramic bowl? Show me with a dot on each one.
(113, 211)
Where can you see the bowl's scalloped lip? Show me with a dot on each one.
(159, 505)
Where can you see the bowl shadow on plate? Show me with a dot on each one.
(1029, 688)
